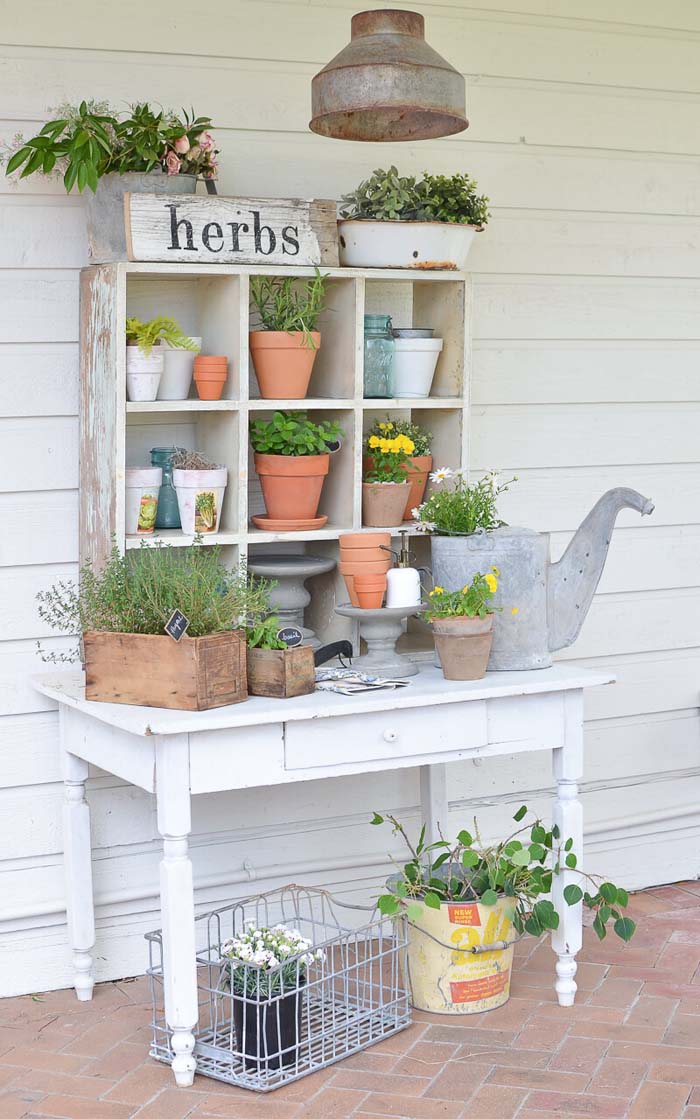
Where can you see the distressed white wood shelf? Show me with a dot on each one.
(212, 301)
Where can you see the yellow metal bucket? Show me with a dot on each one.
(451, 968)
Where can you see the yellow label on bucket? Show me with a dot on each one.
(472, 990)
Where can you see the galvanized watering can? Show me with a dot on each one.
(552, 599)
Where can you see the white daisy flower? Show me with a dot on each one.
(441, 474)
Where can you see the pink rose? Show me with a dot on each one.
(172, 163)
(182, 145)
(206, 141)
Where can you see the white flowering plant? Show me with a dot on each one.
(459, 509)
(265, 962)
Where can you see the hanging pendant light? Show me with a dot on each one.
(388, 84)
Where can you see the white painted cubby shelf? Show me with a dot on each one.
(213, 302)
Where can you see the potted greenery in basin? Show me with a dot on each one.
(121, 610)
(420, 461)
(292, 457)
(200, 485)
(462, 624)
(264, 972)
(111, 152)
(145, 357)
(398, 221)
(284, 347)
(385, 487)
(467, 902)
(275, 669)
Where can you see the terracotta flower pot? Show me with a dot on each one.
(417, 474)
(283, 362)
(370, 591)
(364, 539)
(464, 646)
(362, 555)
(383, 503)
(369, 567)
(210, 375)
(291, 484)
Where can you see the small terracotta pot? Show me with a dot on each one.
(210, 375)
(417, 470)
(364, 539)
(370, 591)
(368, 567)
(464, 646)
(291, 484)
(362, 555)
(383, 503)
(283, 362)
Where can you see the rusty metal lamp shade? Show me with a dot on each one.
(388, 84)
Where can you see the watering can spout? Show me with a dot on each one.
(573, 580)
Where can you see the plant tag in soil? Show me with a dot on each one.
(291, 635)
(176, 625)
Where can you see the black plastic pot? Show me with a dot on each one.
(268, 1032)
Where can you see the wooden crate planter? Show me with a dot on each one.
(193, 674)
(281, 673)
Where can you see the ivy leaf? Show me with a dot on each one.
(569, 844)
(465, 839)
(432, 900)
(470, 858)
(599, 928)
(489, 897)
(388, 905)
(521, 858)
(414, 911)
(623, 898)
(572, 894)
(520, 814)
(377, 819)
(609, 892)
(571, 861)
(624, 927)
(538, 834)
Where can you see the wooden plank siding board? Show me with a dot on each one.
(584, 376)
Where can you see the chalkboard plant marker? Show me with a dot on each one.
(279, 666)
(284, 348)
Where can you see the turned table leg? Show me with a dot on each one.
(177, 903)
(567, 814)
(78, 872)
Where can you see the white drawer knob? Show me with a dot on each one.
(390, 735)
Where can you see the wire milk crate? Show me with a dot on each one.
(261, 1026)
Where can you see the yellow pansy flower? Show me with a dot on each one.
(514, 609)
(491, 582)
(374, 441)
(438, 590)
(465, 590)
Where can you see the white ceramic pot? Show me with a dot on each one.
(404, 244)
(200, 494)
(143, 373)
(415, 360)
(178, 367)
(142, 488)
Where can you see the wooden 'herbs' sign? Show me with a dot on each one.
(211, 229)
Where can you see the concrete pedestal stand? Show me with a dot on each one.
(381, 629)
(290, 597)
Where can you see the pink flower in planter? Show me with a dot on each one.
(206, 141)
(182, 145)
(173, 163)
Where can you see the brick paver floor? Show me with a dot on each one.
(630, 1047)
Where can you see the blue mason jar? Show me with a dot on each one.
(168, 514)
(379, 357)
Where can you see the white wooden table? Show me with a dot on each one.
(178, 754)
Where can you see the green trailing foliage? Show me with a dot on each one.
(388, 196)
(520, 868)
(293, 433)
(457, 508)
(146, 334)
(137, 592)
(91, 139)
(288, 304)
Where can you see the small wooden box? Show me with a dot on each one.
(193, 674)
(281, 673)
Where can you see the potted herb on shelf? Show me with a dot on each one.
(462, 624)
(264, 971)
(420, 461)
(385, 488)
(398, 221)
(276, 669)
(467, 902)
(292, 457)
(145, 356)
(200, 485)
(111, 152)
(284, 347)
(121, 610)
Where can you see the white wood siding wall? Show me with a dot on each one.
(585, 375)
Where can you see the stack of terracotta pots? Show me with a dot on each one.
(362, 554)
(210, 375)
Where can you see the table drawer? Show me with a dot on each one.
(376, 736)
